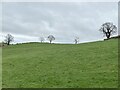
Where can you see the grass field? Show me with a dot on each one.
(88, 65)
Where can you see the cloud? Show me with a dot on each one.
(60, 0)
(64, 20)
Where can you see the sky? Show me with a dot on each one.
(27, 21)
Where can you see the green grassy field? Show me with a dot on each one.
(88, 65)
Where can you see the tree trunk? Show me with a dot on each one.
(108, 35)
(75, 42)
(8, 43)
(50, 41)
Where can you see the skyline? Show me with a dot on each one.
(64, 20)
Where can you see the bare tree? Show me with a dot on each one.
(76, 40)
(8, 39)
(51, 38)
(108, 29)
(42, 39)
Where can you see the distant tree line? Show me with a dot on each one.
(50, 38)
(108, 29)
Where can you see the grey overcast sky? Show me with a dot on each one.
(27, 21)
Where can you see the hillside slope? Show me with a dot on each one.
(61, 65)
